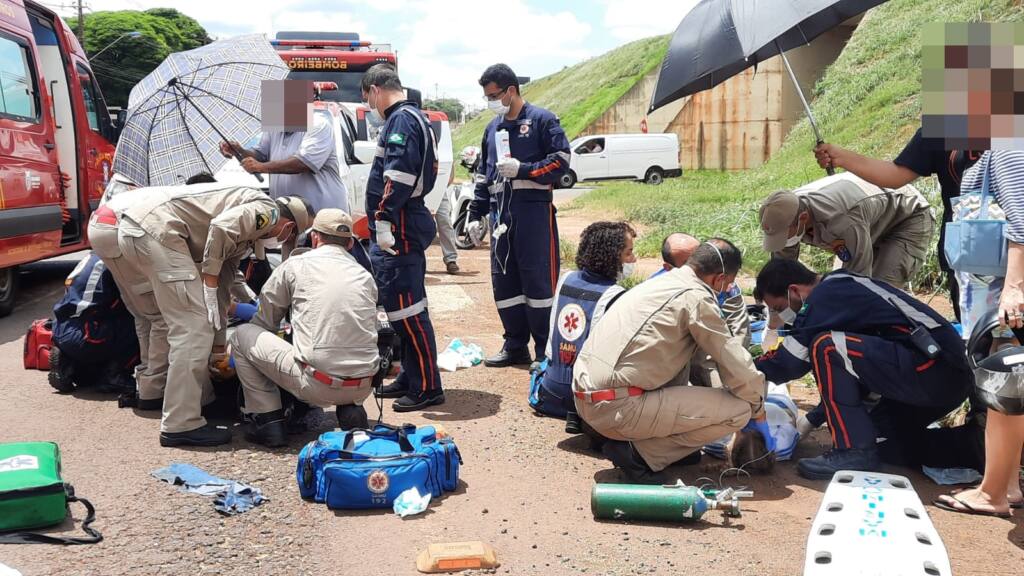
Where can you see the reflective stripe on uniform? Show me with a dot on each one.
(379, 152)
(796, 348)
(510, 302)
(529, 185)
(564, 156)
(408, 311)
(907, 310)
(608, 395)
(839, 340)
(400, 177)
(540, 303)
(90, 289)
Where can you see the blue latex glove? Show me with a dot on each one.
(245, 311)
(762, 429)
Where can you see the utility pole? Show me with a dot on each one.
(81, 24)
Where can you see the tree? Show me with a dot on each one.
(122, 65)
(450, 106)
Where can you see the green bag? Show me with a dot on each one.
(33, 495)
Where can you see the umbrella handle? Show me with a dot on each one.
(828, 169)
(238, 156)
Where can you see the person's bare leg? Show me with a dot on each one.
(1004, 439)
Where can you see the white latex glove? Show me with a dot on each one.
(475, 229)
(212, 306)
(385, 238)
(508, 167)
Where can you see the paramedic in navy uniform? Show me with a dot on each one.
(515, 192)
(402, 174)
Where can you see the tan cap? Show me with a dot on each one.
(301, 211)
(777, 213)
(333, 222)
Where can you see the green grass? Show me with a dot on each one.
(579, 94)
(868, 101)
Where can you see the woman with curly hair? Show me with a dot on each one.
(605, 255)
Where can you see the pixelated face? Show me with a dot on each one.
(287, 105)
(972, 85)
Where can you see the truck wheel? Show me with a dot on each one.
(8, 289)
(462, 239)
(654, 176)
(568, 180)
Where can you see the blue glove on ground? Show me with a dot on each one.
(762, 429)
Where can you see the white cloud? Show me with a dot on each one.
(633, 19)
(447, 42)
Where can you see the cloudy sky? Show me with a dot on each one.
(447, 42)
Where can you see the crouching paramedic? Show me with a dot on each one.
(604, 256)
(333, 356)
(863, 338)
(630, 378)
(94, 333)
(188, 243)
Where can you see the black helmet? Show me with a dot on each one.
(999, 376)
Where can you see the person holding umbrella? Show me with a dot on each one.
(188, 243)
(300, 162)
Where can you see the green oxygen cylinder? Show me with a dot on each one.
(676, 503)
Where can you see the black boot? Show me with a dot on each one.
(396, 389)
(150, 404)
(268, 429)
(62, 372)
(411, 402)
(352, 416)
(516, 357)
(625, 457)
(573, 423)
(825, 466)
(208, 435)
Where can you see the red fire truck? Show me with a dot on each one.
(55, 141)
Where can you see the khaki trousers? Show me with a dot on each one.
(264, 361)
(177, 289)
(895, 258)
(137, 294)
(668, 424)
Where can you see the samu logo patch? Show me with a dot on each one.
(378, 482)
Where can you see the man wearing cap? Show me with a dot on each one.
(333, 356)
(629, 380)
(187, 243)
(878, 233)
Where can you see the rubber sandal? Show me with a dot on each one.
(967, 508)
(1014, 504)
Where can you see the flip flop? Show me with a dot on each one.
(967, 508)
(1014, 504)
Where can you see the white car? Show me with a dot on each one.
(647, 157)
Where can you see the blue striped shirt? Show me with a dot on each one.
(1006, 186)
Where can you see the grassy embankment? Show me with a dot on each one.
(868, 100)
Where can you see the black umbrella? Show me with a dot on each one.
(720, 38)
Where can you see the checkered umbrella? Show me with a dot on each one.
(180, 113)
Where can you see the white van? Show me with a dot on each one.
(647, 157)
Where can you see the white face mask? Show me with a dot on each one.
(271, 243)
(794, 240)
(788, 315)
(628, 268)
(497, 107)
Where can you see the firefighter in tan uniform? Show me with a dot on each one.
(188, 243)
(137, 293)
(333, 355)
(879, 233)
(630, 378)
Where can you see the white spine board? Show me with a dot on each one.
(872, 524)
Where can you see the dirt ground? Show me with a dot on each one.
(525, 485)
